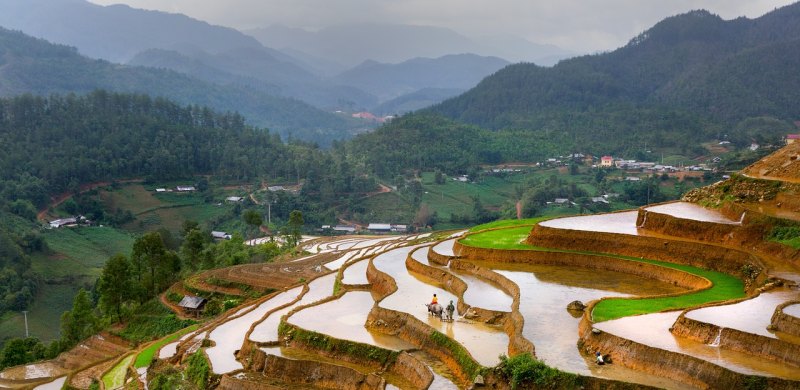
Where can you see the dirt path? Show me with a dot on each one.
(61, 198)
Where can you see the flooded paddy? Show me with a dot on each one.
(479, 293)
(47, 369)
(653, 330)
(620, 223)
(356, 273)
(229, 336)
(687, 210)
(115, 378)
(445, 248)
(338, 263)
(545, 292)
(344, 319)
(484, 342)
(751, 316)
(57, 384)
(792, 310)
(267, 330)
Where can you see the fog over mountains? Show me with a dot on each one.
(335, 69)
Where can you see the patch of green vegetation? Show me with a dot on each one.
(115, 378)
(724, 286)
(146, 356)
(80, 251)
(152, 320)
(43, 315)
(511, 238)
(507, 223)
(460, 354)
(324, 342)
(198, 370)
(523, 371)
(786, 235)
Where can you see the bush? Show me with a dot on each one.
(524, 370)
(198, 370)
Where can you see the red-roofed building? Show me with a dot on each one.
(792, 138)
(365, 115)
(606, 161)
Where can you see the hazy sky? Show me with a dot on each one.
(578, 25)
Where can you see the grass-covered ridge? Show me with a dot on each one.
(724, 286)
(146, 355)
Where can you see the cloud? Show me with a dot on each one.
(579, 25)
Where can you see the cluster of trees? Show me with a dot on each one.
(18, 284)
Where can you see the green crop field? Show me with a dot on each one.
(80, 251)
(724, 286)
(145, 357)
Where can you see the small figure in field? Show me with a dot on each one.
(434, 301)
(450, 309)
(599, 359)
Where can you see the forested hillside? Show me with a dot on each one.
(30, 65)
(689, 78)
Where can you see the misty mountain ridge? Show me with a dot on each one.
(695, 62)
(353, 44)
(35, 66)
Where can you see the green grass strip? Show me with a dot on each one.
(724, 287)
(115, 378)
(507, 223)
(146, 356)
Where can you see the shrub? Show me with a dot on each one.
(198, 370)
(524, 370)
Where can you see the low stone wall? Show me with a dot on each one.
(590, 261)
(682, 227)
(717, 258)
(737, 340)
(438, 258)
(380, 283)
(785, 323)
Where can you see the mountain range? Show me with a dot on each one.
(227, 57)
(696, 65)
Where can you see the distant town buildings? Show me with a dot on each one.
(606, 161)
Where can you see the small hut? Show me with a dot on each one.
(192, 305)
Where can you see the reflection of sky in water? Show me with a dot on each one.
(792, 310)
(485, 343)
(344, 319)
(318, 289)
(545, 292)
(653, 330)
(230, 335)
(356, 273)
(691, 211)
(54, 385)
(751, 316)
(445, 248)
(622, 223)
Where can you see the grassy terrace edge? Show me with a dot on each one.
(508, 235)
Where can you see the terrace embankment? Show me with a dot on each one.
(749, 234)
(512, 322)
(417, 333)
(317, 374)
(784, 322)
(697, 254)
(766, 347)
(591, 261)
(668, 364)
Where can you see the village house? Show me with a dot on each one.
(220, 235)
(192, 305)
(379, 227)
(344, 229)
(791, 138)
(63, 222)
(185, 188)
(234, 199)
(606, 161)
(276, 188)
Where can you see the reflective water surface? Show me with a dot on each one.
(356, 273)
(229, 336)
(622, 223)
(653, 330)
(344, 319)
(484, 342)
(751, 316)
(792, 310)
(54, 385)
(687, 210)
(267, 330)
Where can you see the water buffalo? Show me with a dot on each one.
(434, 309)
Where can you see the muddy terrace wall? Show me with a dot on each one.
(320, 375)
(727, 260)
(512, 324)
(415, 332)
(785, 323)
(750, 234)
(679, 367)
(591, 261)
(737, 340)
